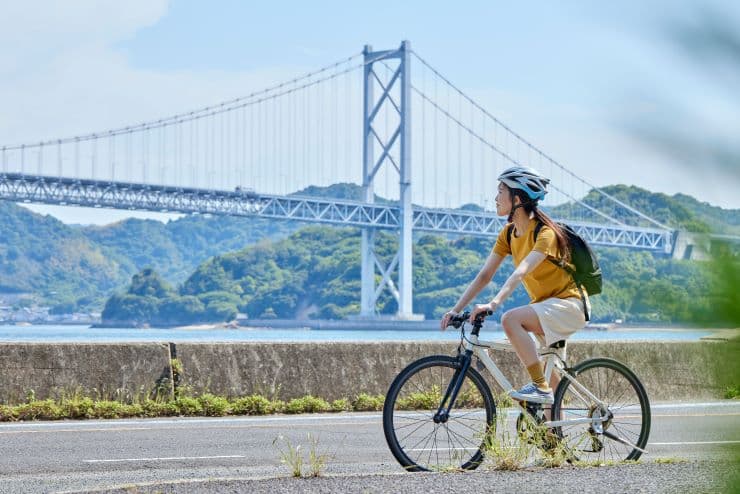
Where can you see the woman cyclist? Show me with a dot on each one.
(556, 310)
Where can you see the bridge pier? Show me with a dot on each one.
(370, 292)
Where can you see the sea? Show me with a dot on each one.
(88, 334)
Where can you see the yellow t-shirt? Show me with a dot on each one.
(547, 280)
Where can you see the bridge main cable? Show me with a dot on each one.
(536, 149)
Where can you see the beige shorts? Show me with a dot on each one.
(560, 317)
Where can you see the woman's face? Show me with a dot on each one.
(503, 200)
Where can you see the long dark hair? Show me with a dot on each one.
(530, 207)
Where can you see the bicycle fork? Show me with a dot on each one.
(443, 412)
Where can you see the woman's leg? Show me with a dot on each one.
(517, 323)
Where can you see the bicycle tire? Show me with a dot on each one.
(411, 403)
(627, 403)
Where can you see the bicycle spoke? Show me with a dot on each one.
(412, 432)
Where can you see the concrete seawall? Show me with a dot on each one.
(669, 370)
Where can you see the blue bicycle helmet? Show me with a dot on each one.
(527, 179)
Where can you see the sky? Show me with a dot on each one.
(575, 77)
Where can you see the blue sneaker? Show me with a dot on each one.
(532, 394)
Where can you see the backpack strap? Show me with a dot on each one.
(561, 264)
(537, 229)
(558, 262)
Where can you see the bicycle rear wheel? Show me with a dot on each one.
(420, 444)
(627, 412)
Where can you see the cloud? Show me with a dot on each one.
(63, 73)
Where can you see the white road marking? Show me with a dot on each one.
(142, 424)
(688, 443)
(171, 458)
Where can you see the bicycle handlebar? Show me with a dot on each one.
(458, 320)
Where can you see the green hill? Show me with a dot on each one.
(315, 273)
(72, 267)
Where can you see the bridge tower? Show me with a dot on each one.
(399, 136)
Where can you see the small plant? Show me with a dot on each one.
(503, 400)
(315, 460)
(188, 406)
(341, 405)
(176, 365)
(7, 413)
(368, 403)
(290, 455)
(214, 406)
(426, 400)
(670, 460)
(38, 410)
(77, 407)
(605, 463)
(504, 446)
(732, 392)
(278, 406)
(106, 409)
(251, 405)
(154, 408)
(307, 404)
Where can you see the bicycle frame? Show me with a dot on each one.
(553, 363)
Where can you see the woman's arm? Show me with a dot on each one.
(527, 265)
(479, 282)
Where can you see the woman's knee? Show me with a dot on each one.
(510, 321)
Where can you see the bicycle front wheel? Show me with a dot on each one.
(622, 423)
(420, 444)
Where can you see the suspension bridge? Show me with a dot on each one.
(346, 123)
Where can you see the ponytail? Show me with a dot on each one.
(563, 245)
(530, 207)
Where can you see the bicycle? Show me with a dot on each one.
(439, 409)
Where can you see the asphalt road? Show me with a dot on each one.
(82, 455)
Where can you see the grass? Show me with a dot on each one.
(732, 392)
(529, 443)
(77, 406)
(289, 455)
(672, 460)
(605, 463)
(292, 456)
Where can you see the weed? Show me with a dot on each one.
(368, 403)
(177, 369)
(7, 413)
(732, 392)
(132, 410)
(188, 406)
(503, 400)
(290, 455)
(670, 460)
(604, 463)
(315, 460)
(425, 400)
(504, 447)
(154, 408)
(77, 407)
(341, 405)
(278, 406)
(251, 405)
(106, 409)
(214, 406)
(38, 410)
(307, 404)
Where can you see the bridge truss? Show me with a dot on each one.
(146, 197)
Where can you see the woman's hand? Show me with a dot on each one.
(481, 308)
(446, 319)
